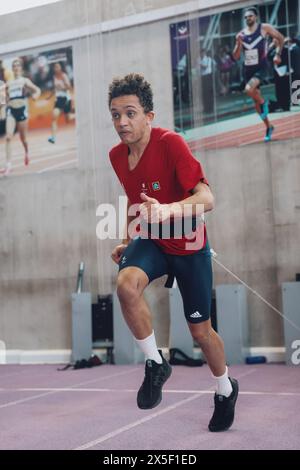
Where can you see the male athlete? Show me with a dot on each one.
(253, 41)
(160, 175)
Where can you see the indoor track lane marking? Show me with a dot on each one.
(130, 426)
(52, 392)
(115, 390)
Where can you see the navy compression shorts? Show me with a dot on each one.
(193, 273)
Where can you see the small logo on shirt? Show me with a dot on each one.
(156, 186)
(123, 260)
(196, 315)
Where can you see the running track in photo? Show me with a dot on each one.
(286, 127)
(43, 156)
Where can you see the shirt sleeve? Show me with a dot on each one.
(188, 169)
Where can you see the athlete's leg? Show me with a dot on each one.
(10, 129)
(22, 128)
(55, 115)
(194, 277)
(131, 283)
(70, 117)
(252, 90)
(211, 344)
(213, 349)
(141, 262)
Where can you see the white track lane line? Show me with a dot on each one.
(129, 390)
(130, 426)
(52, 392)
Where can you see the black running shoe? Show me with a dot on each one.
(150, 393)
(223, 415)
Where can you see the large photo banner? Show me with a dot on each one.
(236, 76)
(37, 113)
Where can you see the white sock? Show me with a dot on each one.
(224, 386)
(149, 348)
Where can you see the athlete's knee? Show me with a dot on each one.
(249, 90)
(128, 289)
(202, 333)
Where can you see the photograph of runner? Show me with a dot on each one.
(233, 75)
(37, 103)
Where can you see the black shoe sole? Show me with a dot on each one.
(214, 429)
(159, 398)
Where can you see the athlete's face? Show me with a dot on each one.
(17, 68)
(250, 18)
(57, 68)
(129, 118)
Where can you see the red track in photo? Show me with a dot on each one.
(285, 128)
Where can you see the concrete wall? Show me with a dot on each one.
(255, 226)
(48, 221)
(70, 14)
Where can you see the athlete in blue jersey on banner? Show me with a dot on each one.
(252, 40)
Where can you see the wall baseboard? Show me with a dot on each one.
(63, 356)
(38, 356)
(273, 354)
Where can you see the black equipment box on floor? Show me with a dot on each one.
(102, 319)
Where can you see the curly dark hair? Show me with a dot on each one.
(132, 84)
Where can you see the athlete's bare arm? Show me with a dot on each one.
(67, 81)
(36, 91)
(119, 249)
(129, 219)
(3, 93)
(279, 40)
(7, 92)
(236, 54)
(201, 195)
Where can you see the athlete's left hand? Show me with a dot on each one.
(152, 211)
(277, 59)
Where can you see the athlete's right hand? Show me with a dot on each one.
(238, 39)
(117, 253)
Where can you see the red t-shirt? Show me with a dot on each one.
(167, 171)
